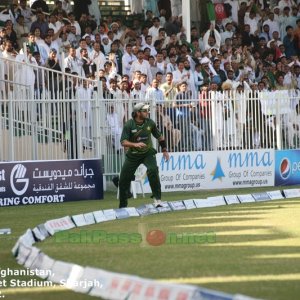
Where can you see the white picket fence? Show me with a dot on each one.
(55, 115)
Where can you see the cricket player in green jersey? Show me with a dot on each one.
(136, 136)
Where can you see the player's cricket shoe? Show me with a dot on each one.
(157, 203)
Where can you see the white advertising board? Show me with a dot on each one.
(190, 171)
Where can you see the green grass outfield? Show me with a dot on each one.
(253, 249)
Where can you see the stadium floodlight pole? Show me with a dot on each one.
(186, 18)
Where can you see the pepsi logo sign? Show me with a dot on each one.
(285, 168)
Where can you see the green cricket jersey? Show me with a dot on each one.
(136, 133)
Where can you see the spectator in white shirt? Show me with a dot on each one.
(97, 56)
(211, 39)
(52, 23)
(172, 65)
(161, 63)
(180, 74)
(127, 59)
(155, 93)
(66, 6)
(114, 128)
(273, 24)
(117, 34)
(136, 92)
(162, 37)
(153, 30)
(73, 62)
(251, 18)
(148, 44)
(73, 22)
(141, 65)
(144, 82)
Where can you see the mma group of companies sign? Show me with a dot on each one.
(188, 171)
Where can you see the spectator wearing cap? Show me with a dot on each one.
(207, 70)
(89, 43)
(136, 92)
(117, 34)
(289, 42)
(106, 43)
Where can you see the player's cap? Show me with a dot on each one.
(140, 107)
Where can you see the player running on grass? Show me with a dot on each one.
(136, 136)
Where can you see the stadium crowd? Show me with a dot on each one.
(254, 47)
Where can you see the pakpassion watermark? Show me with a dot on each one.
(153, 237)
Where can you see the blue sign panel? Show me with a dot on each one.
(39, 182)
(287, 167)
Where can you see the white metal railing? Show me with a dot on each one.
(70, 118)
